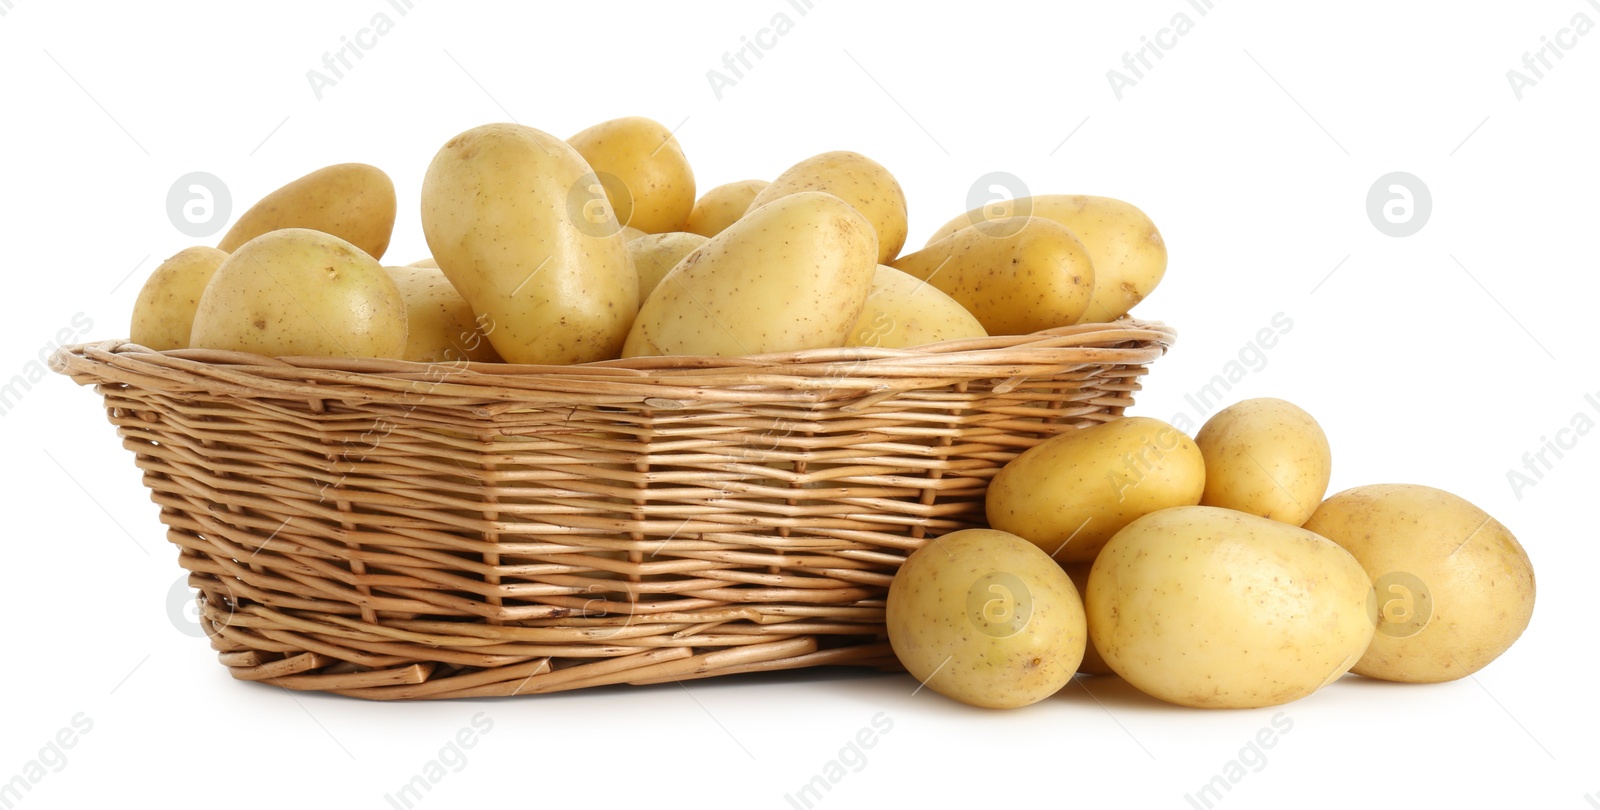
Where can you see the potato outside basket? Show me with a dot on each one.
(394, 530)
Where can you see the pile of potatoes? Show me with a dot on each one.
(1206, 571)
(551, 251)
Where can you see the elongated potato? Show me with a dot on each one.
(441, 326)
(791, 275)
(1015, 275)
(902, 311)
(721, 206)
(1266, 457)
(654, 255)
(164, 312)
(644, 172)
(859, 181)
(299, 292)
(1128, 253)
(499, 209)
(352, 201)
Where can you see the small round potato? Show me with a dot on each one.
(721, 206)
(1454, 588)
(299, 292)
(1214, 608)
(902, 312)
(654, 255)
(983, 617)
(858, 180)
(645, 175)
(1266, 457)
(352, 201)
(1069, 494)
(164, 311)
(441, 326)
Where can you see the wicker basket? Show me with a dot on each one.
(386, 529)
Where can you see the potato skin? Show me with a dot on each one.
(859, 181)
(163, 314)
(300, 292)
(1213, 608)
(1070, 493)
(722, 206)
(902, 312)
(441, 326)
(500, 208)
(1128, 252)
(654, 255)
(644, 171)
(790, 275)
(1266, 457)
(983, 617)
(352, 201)
(1016, 275)
(1092, 663)
(1454, 587)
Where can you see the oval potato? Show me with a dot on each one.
(352, 201)
(859, 181)
(1093, 663)
(163, 314)
(643, 169)
(440, 324)
(902, 312)
(654, 255)
(722, 206)
(1266, 457)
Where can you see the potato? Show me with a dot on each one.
(983, 617)
(1070, 493)
(428, 262)
(645, 175)
(790, 275)
(657, 253)
(441, 326)
(1266, 457)
(1454, 588)
(721, 206)
(902, 312)
(1214, 608)
(352, 201)
(1015, 275)
(630, 234)
(1128, 253)
(164, 311)
(1092, 663)
(500, 209)
(300, 292)
(857, 180)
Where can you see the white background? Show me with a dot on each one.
(1440, 358)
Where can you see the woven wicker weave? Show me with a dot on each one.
(386, 529)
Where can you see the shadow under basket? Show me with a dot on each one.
(394, 530)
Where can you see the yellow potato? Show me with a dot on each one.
(1015, 275)
(352, 201)
(1128, 253)
(790, 275)
(1092, 663)
(857, 180)
(630, 234)
(1070, 493)
(985, 618)
(654, 255)
(501, 209)
(721, 206)
(1214, 608)
(902, 311)
(645, 175)
(1266, 457)
(441, 326)
(300, 292)
(164, 311)
(428, 262)
(1454, 588)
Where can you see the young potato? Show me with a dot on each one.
(1070, 493)
(721, 206)
(902, 312)
(857, 180)
(983, 617)
(352, 201)
(441, 326)
(1128, 253)
(1092, 663)
(1266, 457)
(631, 234)
(164, 312)
(791, 275)
(1015, 275)
(1454, 588)
(428, 262)
(300, 292)
(643, 170)
(1213, 608)
(501, 209)
(654, 255)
